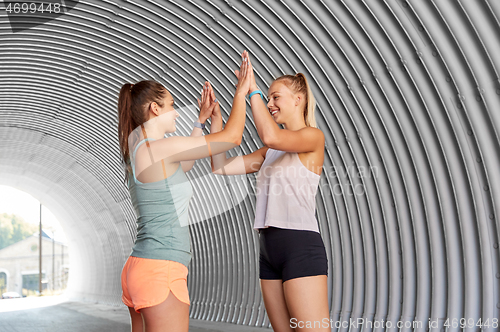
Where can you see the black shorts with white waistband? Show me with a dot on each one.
(290, 253)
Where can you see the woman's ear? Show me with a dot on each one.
(154, 108)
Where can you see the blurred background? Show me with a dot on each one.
(19, 247)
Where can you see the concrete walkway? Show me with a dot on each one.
(57, 314)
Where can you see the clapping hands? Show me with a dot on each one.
(209, 105)
(246, 79)
(206, 105)
(216, 109)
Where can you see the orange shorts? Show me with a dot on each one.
(146, 282)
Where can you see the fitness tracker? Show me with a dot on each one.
(256, 91)
(199, 125)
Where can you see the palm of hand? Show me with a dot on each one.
(243, 84)
(205, 111)
(216, 109)
(247, 84)
(205, 104)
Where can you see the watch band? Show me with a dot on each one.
(199, 125)
(256, 91)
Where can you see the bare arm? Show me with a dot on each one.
(215, 127)
(178, 148)
(236, 165)
(204, 106)
(307, 139)
(246, 164)
(197, 132)
(304, 140)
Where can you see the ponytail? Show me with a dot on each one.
(132, 102)
(298, 84)
(309, 117)
(125, 124)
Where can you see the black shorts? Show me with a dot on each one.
(290, 253)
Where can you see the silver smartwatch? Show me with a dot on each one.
(199, 125)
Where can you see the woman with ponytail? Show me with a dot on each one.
(293, 263)
(160, 191)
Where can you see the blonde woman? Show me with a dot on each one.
(154, 278)
(293, 262)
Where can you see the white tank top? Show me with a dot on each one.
(286, 193)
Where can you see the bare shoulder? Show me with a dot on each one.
(314, 134)
(314, 131)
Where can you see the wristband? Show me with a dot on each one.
(256, 91)
(199, 125)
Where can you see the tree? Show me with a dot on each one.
(13, 229)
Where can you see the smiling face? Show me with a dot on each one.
(166, 115)
(283, 103)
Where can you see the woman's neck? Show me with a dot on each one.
(295, 125)
(152, 132)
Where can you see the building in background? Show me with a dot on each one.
(19, 266)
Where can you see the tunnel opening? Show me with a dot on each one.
(20, 259)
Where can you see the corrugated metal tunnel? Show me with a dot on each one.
(408, 96)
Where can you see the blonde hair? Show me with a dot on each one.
(298, 84)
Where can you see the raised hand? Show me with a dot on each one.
(216, 109)
(243, 78)
(205, 104)
(253, 85)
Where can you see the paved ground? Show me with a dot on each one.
(57, 314)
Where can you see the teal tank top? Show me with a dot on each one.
(162, 216)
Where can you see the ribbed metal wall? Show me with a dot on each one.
(407, 90)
